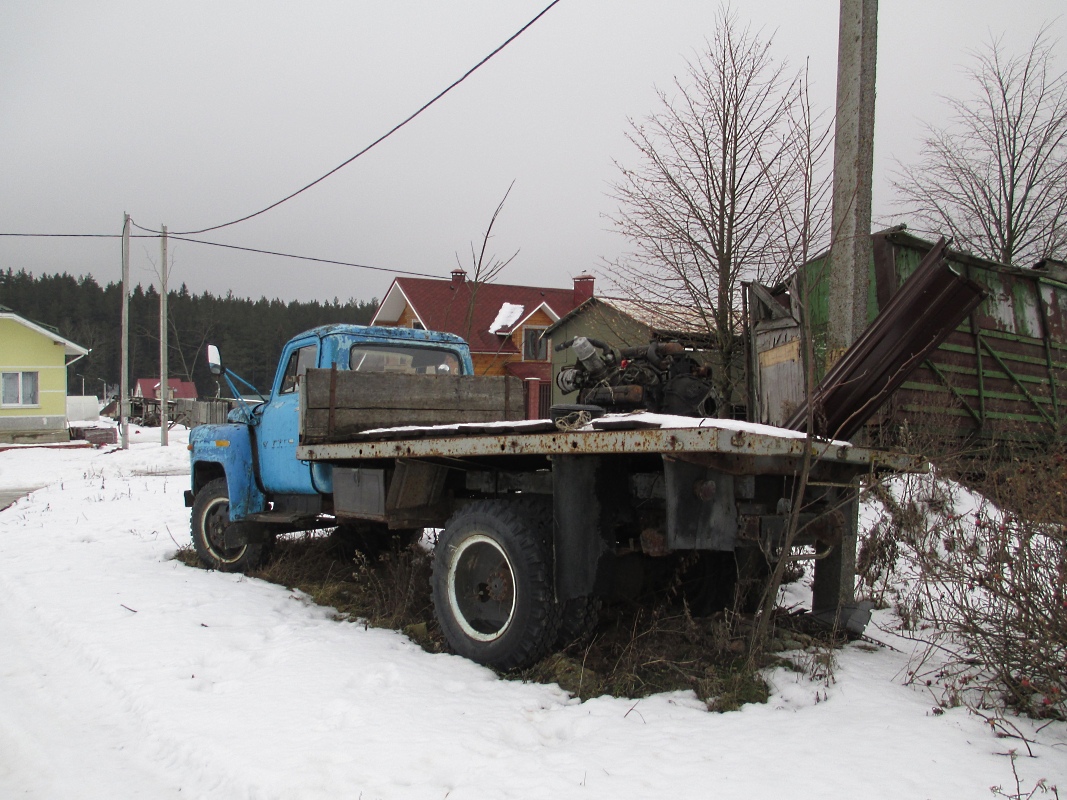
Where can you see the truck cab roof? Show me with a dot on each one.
(384, 333)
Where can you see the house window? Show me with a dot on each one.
(19, 389)
(534, 348)
(417, 325)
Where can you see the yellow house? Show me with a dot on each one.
(33, 380)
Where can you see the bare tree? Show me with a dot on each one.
(995, 179)
(731, 185)
(485, 267)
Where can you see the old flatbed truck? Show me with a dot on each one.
(380, 431)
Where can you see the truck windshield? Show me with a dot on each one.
(398, 358)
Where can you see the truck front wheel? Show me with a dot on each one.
(492, 586)
(210, 521)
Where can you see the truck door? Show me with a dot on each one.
(276, 438)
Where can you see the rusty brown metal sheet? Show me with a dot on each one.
(678, 442)
(923, 313)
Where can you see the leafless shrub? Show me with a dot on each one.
(982, 571)
(1020, 793)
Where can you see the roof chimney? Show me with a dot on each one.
(458, 276)
(583, 288)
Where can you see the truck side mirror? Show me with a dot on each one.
(214, 360)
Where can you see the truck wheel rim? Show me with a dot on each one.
(216, 520)
(481, 588)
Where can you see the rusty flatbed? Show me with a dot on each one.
(747, 444)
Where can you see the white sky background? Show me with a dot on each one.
(193, 114)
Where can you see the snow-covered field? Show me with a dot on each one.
(124, 674)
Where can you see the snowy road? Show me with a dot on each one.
(9, 496)
(127, 675)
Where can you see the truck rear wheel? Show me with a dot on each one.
(492, 586)
(209, 523)
(578, 620)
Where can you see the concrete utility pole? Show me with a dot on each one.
(164, 380)
(850, 249)
(124, 378)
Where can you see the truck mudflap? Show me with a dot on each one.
(229, 446)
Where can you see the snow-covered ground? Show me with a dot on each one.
(124, 674)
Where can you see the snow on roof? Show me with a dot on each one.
(664, 316)
(507, 316)
(673, 318)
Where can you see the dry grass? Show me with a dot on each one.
(390, 592)
(639, 648)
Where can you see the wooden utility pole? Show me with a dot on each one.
(124, 378)
(164, 379)
(850, 248)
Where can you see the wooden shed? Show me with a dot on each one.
(1001, 376)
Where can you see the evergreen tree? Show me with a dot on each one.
(250, 333)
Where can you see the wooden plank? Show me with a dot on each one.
(497, 394)
(349, 422)
(337, 405)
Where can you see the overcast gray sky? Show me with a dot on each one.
(192, 114)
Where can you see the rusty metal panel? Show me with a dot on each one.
(746, 445)
(701, 508)
(781, 370)
(776, 368)
(924, 312)
(1054, 300)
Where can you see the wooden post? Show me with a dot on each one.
(124, 378)
(164, 378)
(533, 398)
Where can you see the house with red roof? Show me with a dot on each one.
(502, 323)
(179, 389)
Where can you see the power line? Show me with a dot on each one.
(301, 258)
(76, 235)
(381, 138)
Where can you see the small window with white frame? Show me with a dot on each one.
(534, 346)
(19, 389)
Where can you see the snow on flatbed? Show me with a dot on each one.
(640, 432)
(635, 420)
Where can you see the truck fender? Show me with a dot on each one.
(230, 448)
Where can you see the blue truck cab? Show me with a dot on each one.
(247, 482)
